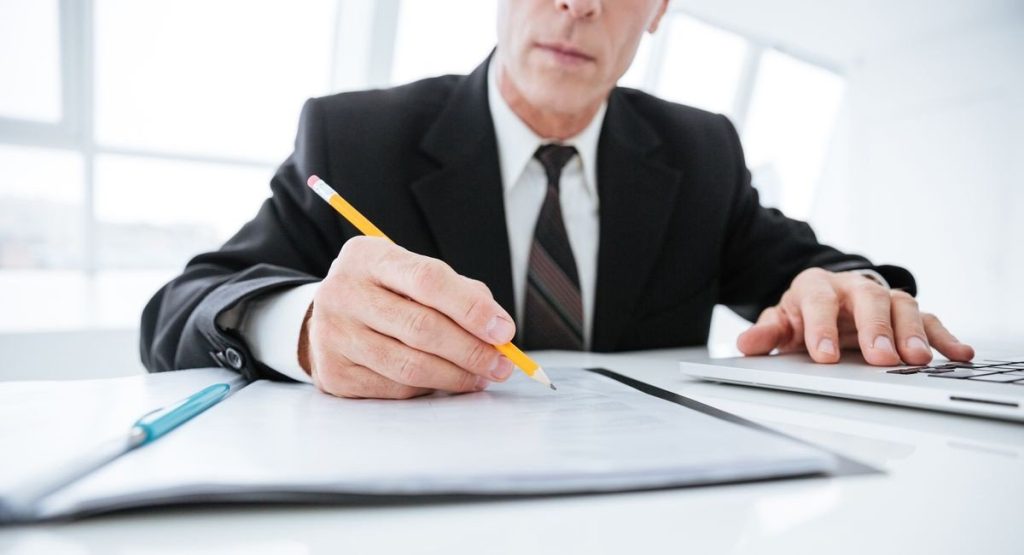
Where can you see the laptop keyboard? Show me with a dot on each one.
(991, 371)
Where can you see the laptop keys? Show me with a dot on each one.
(961, 373)
(1000, 378)
(943, 369)
(913, 370)
(974, 364)
(1018, 364)
(992, 371)
(1005, 368)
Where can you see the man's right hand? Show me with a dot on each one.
(390, 324)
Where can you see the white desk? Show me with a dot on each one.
(952, 484)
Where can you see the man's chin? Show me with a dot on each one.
(562, 94)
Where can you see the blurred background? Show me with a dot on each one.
(895, 128)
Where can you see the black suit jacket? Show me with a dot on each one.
(681, 228)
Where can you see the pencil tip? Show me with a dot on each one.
(541, 376)
(553, 388)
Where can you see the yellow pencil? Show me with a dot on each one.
(326, 192)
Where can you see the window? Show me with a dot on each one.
(794, 109)
(702, 65)
(784, 107)
(31, 81)
(139, 230)
(435, 37)
(41, 208)
(181, 87)
(101, 205)
(117, 116)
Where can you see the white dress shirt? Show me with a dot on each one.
(525, 184)
(271, 324)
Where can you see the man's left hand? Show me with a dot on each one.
(823, 312)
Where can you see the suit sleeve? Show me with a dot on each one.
(291, 241)
(764, 250)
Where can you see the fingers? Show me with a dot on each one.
(425, 329)
(335, 374)
(819, 306)
(911, 339)
(944, 341)
(358, 382)
(433, 283)
(871, 309)
(806, 319)
(407, 366)
(410, 321)
(771, 330)
(886, 325)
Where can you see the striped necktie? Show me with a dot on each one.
(553, 316)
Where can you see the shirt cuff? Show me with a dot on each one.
(271, 327)
(873, 276)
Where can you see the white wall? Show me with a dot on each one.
(927, 170)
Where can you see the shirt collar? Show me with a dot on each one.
(517, 142)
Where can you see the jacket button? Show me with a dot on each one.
(234, 358)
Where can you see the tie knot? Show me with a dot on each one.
(554, 157)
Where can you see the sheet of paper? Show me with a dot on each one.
(593, 434)
(44, 424)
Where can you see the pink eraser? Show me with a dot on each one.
(312, 180)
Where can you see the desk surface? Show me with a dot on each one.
(951, 484)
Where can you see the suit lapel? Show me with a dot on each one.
(463, 200)
(637, 196)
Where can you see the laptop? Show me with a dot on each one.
(991, 388)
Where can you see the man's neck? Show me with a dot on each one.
(545, 123)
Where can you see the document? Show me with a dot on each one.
(45, 424)
(277, 441)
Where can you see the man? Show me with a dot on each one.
(568, 213)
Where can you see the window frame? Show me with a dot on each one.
(757, 46)
(75, 129)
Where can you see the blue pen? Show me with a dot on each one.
(23, 503)
(154, 425)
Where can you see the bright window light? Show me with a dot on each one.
(436, 37)
(224, 78)
(41, 237)
(41, 212)
(154, 213)
(702, 65)
(790, 122)
(48, 300)
(30, 63)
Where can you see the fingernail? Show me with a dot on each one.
(827, 347)
(500, 330)
(481, 384)
(504, 369)
(918, 344)
(882, 343)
